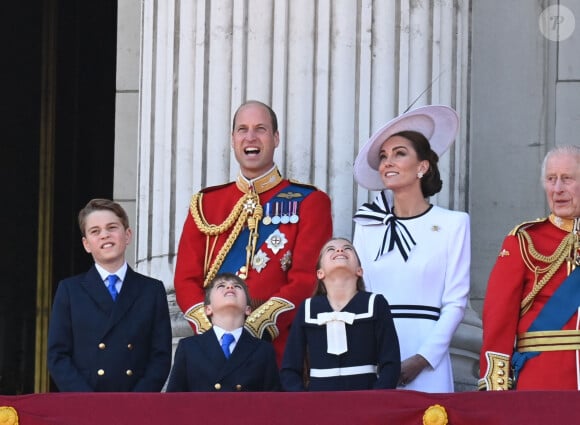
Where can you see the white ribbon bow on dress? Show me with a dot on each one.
(335, 330)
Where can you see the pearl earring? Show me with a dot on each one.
(420, 174)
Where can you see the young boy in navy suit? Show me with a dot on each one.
(109, 328)
(226, 357)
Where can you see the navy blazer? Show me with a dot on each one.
(200, 365)
(96, 344)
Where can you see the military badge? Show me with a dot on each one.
(286, 261)
(260, 261)
(276, 241)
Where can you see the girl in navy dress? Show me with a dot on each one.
(343, 338)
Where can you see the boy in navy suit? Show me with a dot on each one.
(109, 328)
(226, 357)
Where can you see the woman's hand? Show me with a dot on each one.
(410, 368)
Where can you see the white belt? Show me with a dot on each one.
(343, 371)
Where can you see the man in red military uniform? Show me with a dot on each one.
(530, 314)
(266, 229)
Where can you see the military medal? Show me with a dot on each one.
(267, 220)
(285, 216)
(294, 216)
(286, 261)
(276, 218)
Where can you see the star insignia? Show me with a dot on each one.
(260, 261)
(435, 228)
(250, 205)
(276, 241)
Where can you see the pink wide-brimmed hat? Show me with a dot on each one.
(438, 123)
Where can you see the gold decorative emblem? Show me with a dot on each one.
(435, 228)
(504, 253)
(435, 415)
(286, 261)
(260, 260)
(289, 195)
(276, 241)
(8, 415)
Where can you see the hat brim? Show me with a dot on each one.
(438, 123)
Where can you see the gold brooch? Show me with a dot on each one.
(8, 415)
(435, 415)
(504, 253)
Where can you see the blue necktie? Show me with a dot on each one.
(227, 339)
(112, 278)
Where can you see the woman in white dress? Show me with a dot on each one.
(414, 253)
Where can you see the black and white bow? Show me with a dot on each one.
(395, 231)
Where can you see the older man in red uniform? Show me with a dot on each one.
(266, 229)
(530, 315)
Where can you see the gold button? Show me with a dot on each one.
(501, 373)
(100, 372)
(129, 372)
(102, 346)
(217, 387)
(130, 346)
(501, 364)
(238, 387)
(500, 381)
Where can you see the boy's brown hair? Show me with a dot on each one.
(100, 204)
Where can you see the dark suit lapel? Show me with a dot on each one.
(95, 288)
(212, 351)
(130, 291)
(245, 347)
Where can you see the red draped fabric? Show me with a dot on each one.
(336, 408)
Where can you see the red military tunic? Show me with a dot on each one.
(284, 269)
(511, 280)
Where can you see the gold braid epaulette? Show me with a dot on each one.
(197, 316)
(553, 263)
(247, 208)
(264, 317)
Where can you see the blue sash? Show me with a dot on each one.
(556, 313)
(236, 257)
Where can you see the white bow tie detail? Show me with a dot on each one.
(335, 330)
(396, 233)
